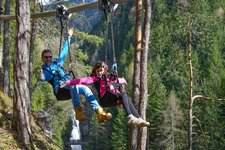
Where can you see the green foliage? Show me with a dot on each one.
(172, 124)
(81, 36)
(10, 138)
(42, 98)
(99, 135)
(120, 132)
(169, 54)
(61, 119)
(156, 104)
(112, 134)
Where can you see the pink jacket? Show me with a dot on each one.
(92, 79)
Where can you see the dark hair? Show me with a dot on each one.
(97, 66)
(46, 51)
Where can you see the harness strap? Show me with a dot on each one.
(51, 81)
(116, 86)
(63, 93)
(106, 83)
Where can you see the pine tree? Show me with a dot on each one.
(120, 131)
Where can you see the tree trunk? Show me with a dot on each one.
(142, 132)
(190, 88)
(136, 78)
(6, 60)
(22, 106)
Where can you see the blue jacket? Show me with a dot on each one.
(55, 73)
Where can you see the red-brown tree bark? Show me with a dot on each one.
(22, 111)
(136, 77)
(142, 132)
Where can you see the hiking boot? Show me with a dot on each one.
(102, 115)
(80, 114)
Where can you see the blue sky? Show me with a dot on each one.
(44, 2)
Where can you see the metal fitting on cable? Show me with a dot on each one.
(62, 12)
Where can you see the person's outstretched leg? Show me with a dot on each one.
(79, 113)
(123, 97)
(135, 113)
(133, 116)
(132, 108)
(102, 115)
(84, 90)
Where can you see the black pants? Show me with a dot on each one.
(114, 99)
(63, 94)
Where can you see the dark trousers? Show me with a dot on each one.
(113, 99)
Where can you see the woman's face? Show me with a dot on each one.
(100, 71)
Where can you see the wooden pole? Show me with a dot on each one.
(93, 5)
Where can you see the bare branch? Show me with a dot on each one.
(203, 97)
(199, 123)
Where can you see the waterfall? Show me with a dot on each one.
(75, 134)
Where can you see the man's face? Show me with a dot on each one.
(47, 58)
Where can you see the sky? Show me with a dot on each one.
(45, 2)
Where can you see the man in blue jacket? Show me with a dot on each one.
(52, 71)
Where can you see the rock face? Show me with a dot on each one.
(44, 120)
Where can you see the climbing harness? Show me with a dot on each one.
(62, 94)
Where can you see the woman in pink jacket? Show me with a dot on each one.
(110, 92)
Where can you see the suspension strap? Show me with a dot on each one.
(106, 40)
(112, 10)
(61, 35)
(114, 65)
(62, 13)
(106, 6)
